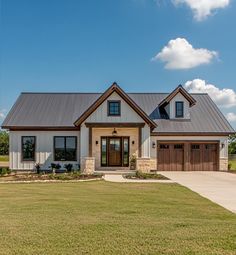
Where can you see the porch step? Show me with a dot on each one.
(115, 171)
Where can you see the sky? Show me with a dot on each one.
(143, 45)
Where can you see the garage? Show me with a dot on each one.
(187, 156)
(203, 157)
(170, 157)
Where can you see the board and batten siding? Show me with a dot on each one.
(222, 140)
(170, 108)
(44, 148)
(128, 115)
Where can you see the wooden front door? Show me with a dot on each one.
(114, 151)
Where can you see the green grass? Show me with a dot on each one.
(109, 218)
(233, 164)
(4, 158)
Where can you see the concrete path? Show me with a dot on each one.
(219, 187)
(120, 178)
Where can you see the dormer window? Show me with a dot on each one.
(179, 109)
(113, 108)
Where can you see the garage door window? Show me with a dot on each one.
(195, 146)
(178, 146)
(210, 146)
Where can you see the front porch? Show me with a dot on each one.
(111, 146)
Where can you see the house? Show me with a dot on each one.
(175, 131)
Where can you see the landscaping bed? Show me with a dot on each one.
(145, 176)
(48, 177)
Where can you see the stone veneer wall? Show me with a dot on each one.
(132, 133)
(88, 165)
(223, 164)
(143, 165)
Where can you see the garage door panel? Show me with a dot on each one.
(203, 157)
(170, 157)
(190, 156)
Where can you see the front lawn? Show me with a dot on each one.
(233, 164)
(4, 158)
(111, 218)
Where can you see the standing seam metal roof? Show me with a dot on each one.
(62, 109)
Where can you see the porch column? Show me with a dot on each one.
(140, 142)
(90, 141)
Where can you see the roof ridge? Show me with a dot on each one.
(138, 93)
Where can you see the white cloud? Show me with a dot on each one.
(180, 54)
(222, 97)
(231, 117)
(3, 113)
(203, 8)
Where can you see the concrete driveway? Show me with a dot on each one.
(219, 187)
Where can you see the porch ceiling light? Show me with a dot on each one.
(114, 132)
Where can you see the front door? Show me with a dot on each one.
(114, 151)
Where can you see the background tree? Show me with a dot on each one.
(232, 144)
(4, 143)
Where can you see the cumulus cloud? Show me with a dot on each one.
(180, 54)
(231, 117)
(203, 8)
(222, 97)
(3, 113)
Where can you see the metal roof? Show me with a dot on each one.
(63, 109)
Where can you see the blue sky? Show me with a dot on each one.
(75, 45)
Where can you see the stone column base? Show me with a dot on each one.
(143, 165)
(88, 165)
(223, 164)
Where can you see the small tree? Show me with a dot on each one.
(4, 142)
(232, 144)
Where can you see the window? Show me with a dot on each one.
(104, 151)
(65, 148)
(113, 108)
(125, 151)
(179, 109)
(28, 148)
(164, 146)
(195, 146)
(178, 146)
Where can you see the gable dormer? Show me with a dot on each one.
(178, 103)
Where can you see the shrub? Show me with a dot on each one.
(4, 171)
(68, 167)
(55, 167)
(37, 167)
(229, 166)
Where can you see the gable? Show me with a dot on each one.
(171, 106)
(178, 90)
(128, 114)
(115, 88)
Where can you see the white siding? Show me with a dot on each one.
(127, 113)
(171, 108)
(221, 139)
(44, 148)
(146, 142)
(84, 141)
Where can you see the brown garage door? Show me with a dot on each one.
(170, 156)
(203, 157)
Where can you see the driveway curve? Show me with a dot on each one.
(219, 187)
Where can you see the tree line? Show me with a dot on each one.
(232, 144)
(4, 143)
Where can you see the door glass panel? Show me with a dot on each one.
(115, 144)
(104, 152)
(125, 151)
